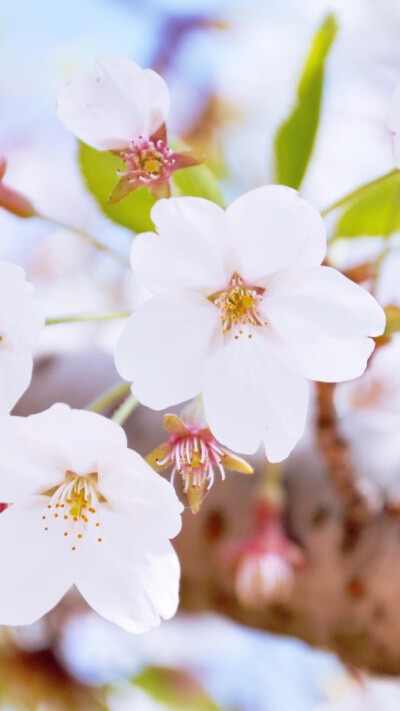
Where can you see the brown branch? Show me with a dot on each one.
(337, 457)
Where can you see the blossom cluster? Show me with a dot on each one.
(242, 313)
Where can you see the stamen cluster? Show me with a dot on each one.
(148, 160)
(239, 306)
(75, 503)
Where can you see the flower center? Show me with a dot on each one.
(194, 458)
(147, 160)
(73, 506)
(238, 306)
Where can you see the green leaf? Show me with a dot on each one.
(295, 138)
(373, 209)
(199, 182)
(99, 170)
(174, 688)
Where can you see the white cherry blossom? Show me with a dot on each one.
(21, 321)
(243, 313)
(120, 107)
(85, 510)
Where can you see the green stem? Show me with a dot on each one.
(358, 192)
(74, 318)
(87, 238)
(109, 397)
(125, 410)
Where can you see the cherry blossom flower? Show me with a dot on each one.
(244, 313)
(263, 565)
(21, 321)
(85, 510)
(120, 107)
(194, 453)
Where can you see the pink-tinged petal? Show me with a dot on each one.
(164, 346)
(37, 566)
(132, 487)
(249, 396)
(325, 298)
(131, 580)
(114, 103)
(190, 251)
(275, 229)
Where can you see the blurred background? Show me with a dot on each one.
(232, 68)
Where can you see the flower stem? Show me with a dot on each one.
(87, 238)
(358, 192)
(74, 318)
(109, 397)
(125, 410)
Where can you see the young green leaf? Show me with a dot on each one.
(295, 138)
(373, 209)
(199, 182)
(174, 688)
(99, 170)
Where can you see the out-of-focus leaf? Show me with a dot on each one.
(392, 313)
(295, 138)
(199, 182)
(374, 209)
(99, 170)
(174, 688)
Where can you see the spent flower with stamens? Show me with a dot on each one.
(122, 108)
(85, 510)
(194, 454)
(244, 314)
(263, 565)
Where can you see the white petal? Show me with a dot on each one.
(325, 298)
(317, 355)
(275, 229)
(249, 396)
(15, 372)
(21, 317)
(191, 249)
(37, 451)
(114, 103)
(26, 468)
(37, 567)
(130, 579)
(12, 277)
(164, 345)
(70, 439)
(132, 487)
